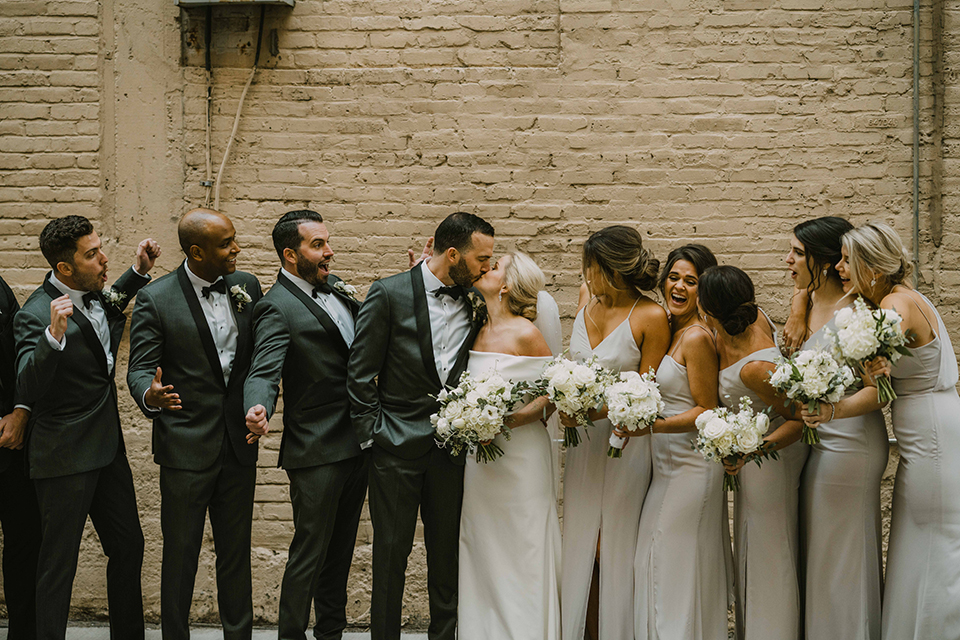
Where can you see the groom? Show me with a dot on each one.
(414, 332)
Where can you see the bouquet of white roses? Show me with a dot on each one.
(575, 388)
(864, 333)
(473, 413)
(812, 376)
(725, 434)
(633, 401)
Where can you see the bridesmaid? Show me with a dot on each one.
(923, 560)
(603, 496)
(681, 562)
(765, 508)
(840, 485)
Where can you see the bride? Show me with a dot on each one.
(509, 532)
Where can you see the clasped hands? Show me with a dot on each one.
(879, 367)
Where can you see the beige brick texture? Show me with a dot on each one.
(724, 122)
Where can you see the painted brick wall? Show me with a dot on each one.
(721, 121)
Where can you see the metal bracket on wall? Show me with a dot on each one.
(205, 3)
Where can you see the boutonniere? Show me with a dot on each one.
(346, 289)
(478, 308)
(113, 297)
(240, 296)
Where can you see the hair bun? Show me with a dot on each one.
(741, 318)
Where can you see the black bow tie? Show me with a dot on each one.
(219, 286)
(454, 292)
(88, 299)
(322, 287)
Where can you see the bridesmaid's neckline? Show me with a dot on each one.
(583, 315)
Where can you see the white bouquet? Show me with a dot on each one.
(812, 376)
(633, 402)
(575, 388)
(726, 435)
(864, 334)
(473, 413)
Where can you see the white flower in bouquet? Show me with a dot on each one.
(812, 376)
(633, 401)
(472, 414)
(575, 388)
(723, 433)
(864, 334)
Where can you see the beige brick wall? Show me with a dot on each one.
(721, 121)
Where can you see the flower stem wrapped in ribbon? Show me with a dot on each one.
(812, 376)
(864, 334)
(727, 436)
(633, 402)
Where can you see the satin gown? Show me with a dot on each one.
(766, 533)
(509, 529)
(602, 496)
(682, 556)
(840, 525)
(921, 598)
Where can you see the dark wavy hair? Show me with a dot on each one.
(726, 293)
(286, 233)
(696, 254)
(821, 240)
(618, 251)
(58, 240)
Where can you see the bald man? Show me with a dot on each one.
(191, 339)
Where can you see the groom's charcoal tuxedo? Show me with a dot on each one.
(205, 461)
(299, 343)
(77, 458)
(393, 383)
(18, 499)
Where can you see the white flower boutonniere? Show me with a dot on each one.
(240, 296)
(346, 289)
(478, 308)
(113, 297)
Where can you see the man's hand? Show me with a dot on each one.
(147, 253)
(257, 423)
(159, 396)
(425, 255)
(12, 428)
(60, 309)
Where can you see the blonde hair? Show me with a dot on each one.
(875, 247)
(524, 280)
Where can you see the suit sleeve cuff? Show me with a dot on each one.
(146, 407)
(145, 276)
(24, 407)
(57, 346)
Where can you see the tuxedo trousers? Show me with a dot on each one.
(107, 496)
(432, 484)
(20, 518)
(327, 501)
(225, 490)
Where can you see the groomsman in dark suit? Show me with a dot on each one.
(303, 328)
(191, 340)
(413, 336)
(67, 336)
(19, 513)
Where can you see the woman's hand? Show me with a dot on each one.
(879, 367)
(567, 421)
(813, 420)
(733, 464)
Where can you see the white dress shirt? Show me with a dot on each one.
(95, 314)
(330, 303)
(217, 309)
(449, 323)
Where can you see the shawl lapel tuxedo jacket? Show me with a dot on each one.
(74, 425)
(8, 359)
(298, 342)
(169, 330)
(392, 374)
